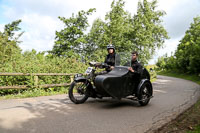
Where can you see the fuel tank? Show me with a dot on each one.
(117, 83)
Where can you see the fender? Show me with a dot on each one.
(79, 79)
(141, 83)
(90, 87)
(83, 79)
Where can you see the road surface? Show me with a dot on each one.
(57, 114)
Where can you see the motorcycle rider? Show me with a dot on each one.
(111, 57)
(136, 67)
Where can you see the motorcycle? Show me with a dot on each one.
(118, 83)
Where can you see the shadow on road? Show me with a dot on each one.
(34, 117)
(41, 116)
(114, 104)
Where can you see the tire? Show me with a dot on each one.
(145, 93)
(78, 92)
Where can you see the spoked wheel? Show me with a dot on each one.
(145, 94)
(78, 92)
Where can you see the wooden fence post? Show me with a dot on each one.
(35, 81)
(19, 92)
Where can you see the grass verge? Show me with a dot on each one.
(188, 121)
(35, 93)
(194, 78)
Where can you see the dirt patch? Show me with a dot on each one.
(187, 121)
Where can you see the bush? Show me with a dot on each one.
(33, 62)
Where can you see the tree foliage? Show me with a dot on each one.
(142, 32)
(187, 56)
(188, 51)
(97, 39)
(148, 32)
(38, 62)
(70, 40)
(11, 29)
(9, 42)
(118, 26)
(113, 30)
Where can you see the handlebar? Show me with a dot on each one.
(105, 65)
(99, 65)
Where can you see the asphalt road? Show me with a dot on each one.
(57, 114)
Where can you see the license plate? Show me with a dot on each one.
(89, 70)
(78, 75)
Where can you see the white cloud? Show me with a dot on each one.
(51, 7)
(179, 17)
(39, 32)
(168, 5)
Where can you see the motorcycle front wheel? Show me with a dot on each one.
(78, 92)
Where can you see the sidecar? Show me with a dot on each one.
(118, 83)
(121, 83)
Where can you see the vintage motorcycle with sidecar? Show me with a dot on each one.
(118, 83)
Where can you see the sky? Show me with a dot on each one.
(40, 19)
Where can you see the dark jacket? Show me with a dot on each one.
(110, 59)
(137, 67)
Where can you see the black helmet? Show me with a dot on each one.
(110, 46)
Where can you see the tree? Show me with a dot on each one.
(96, 41)
(118, 26)
(97, 38)
(142, 32)
(70, 40)
(10, 30)
(113, 30)
(161, 62)
(188, 51)
(186, 58)
(148, 32)
(9, 49)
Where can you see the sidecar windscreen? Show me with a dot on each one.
(123, 59)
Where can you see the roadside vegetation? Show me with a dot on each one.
(185, 64)
(186, 58)
(192, 77)
(188, 121)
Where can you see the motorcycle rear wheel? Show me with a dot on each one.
(78, 92)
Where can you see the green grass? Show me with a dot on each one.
(189, 121)
(35, 93)
(197, 130)
(194, 78)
